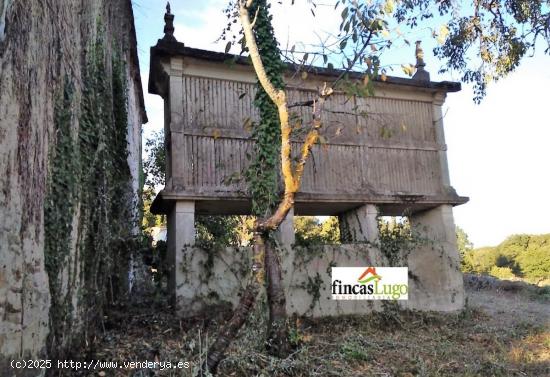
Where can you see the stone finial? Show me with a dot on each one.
(421, 74)
(168, 25)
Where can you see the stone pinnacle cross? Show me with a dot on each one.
(168, 25)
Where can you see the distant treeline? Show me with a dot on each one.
(519, 256)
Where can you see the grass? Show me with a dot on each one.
(475, 342)
(424, 345)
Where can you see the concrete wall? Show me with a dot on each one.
(205, 279)
(44, 44)
(214, 281)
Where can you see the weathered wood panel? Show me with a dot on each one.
(214, 104)
(217, 105)
(398, 121)
(217, 165)
(407, 171)
(334, 169)
(384, 144)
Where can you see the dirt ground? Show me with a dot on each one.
(510, 308)
(502, 332)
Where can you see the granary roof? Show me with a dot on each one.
(171, 48)
(168, 46)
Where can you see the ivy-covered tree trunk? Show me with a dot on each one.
(263, 177)
(263, 182)
(265, 57)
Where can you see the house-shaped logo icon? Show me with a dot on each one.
(369, 275)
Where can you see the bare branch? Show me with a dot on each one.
(302, 104)
(255, 18)
(356, 57)
(313, 134)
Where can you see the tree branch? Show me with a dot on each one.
(302, 104)
(313, 134)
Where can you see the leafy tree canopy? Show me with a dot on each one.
(311, 230)
(483, 40)
(523, 255)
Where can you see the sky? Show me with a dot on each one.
(498, 151)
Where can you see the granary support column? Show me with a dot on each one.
(359, 225)
(437, 117)
(435, 279)
(181, 233)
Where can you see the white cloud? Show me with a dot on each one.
(201, 28)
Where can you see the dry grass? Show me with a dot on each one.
(489, 338)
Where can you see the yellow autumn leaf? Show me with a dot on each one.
(216, 133)
(366, 79)
(304, 75)
(442, 35)
(383, 77)
(388, 6)
(408, 69)
(248, 124)
(385, 33)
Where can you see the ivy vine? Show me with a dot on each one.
(88, 187)
(60, 201)
(262, 176)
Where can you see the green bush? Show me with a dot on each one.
(502, 272)
(311, 230)
(524, 256)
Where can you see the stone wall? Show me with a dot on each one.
(71, 110)
(208, 279)
(203, 279)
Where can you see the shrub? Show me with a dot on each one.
(502, 272)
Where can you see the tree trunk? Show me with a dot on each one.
(277, 331)
(277, 342)
(277, 334)
(230, 330)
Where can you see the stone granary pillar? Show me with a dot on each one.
(435, 279)
(359, 225)
(181, 233)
